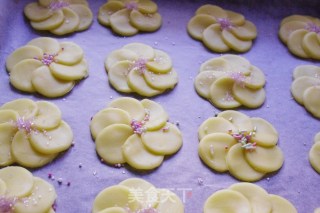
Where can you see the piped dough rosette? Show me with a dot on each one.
(134, 132)
(32, 133)
(301, 34)
(305, 88)
(247, 198)
(47, 66)
(137, 196)
(21, 192)
(314, 156)
(221, 30)
(246, 147)
(230, 81)
(139, 68)
(60, 17)
(128, 17)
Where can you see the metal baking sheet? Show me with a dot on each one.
(296, 181)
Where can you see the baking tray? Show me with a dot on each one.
(296, 181)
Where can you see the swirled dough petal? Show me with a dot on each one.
(234, 43)
(212, 10)
(257, 196)
(287, 28)
(161, 63)
(247, 31)
(238, 64)
(311, 100)
(300, 85)
(24, 107)
(25, 155)
(120, 23)
(36, 12)
(22, 53)
(235, 18)
(142, 50)
(161, 81)
(106, 10)
(69, 73)
(265, 134)
(239, 167)
(19, 181)
(138, 156)
(295, 43)
(43, 196)
(145, 22)
(107, 117)
(3, 187)
(316, 138)
(48, 116)
(198, 24)
(114, 210)
(54, 21)
(216, 64)
(46, 44)
(49, 86)
(311, 45)
(306, 70)
(225, 201)
(314, 156)
(295, 18)
(212, 38)
(118, 76)
(8, 116)
(157, 115)
(169, 202)
(215, 125)
(204, 80)
(71, 54)
(256, 78)
(238, 119)
(279, 204)
(251, 98)
(212, 150)
(130, 105)
(7, 132)
(21, 74)
(119, 55)
(70, 23)
(85, 15)
(147, 6)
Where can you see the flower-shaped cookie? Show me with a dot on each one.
(139, 68)
(134, 132)
(21, 192)
(306, 88)
(246, 147)
(46, 66)
(128, 17)
(60, 17)
(136, 195)
(222, 30)
(302, 35)
(230, 81)
(314, 156)
(247, 198)
(32, 133)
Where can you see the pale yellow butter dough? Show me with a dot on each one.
(136, 195)
(60, 17)
(134, 132)
(314, 153)
(32, 133)
(244, 146)
(221, 30)
(128, 17)
(47, 67)
(24, 193)
(246, 197)
(230, 81)
(139, 68)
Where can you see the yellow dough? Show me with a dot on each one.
(244, 146)
(59, 17)
(221, 30)
(301, 35)
(32, 133)
(314, 156)
(134, 132)
(230, 81)
(46, 66)
(127, 18)
(305, 88)
(139, 68)
(21, 192)
(136, 195)
(246, 197)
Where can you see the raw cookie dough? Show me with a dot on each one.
(139, 68)
(25, 193)
(244, 146)
(222, 30)
(136, 195)
(134, 132)
(32, 133)
(301, 35)
(128, 17)
(230, 81)
(305, 88)
(60, 17)
(314, 154)
(247, 198)
(47, 66)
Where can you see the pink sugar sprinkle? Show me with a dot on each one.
(56, 5)
(139, 126)
(312, 27)
(239, 78)
(25, 124)
(225, 24)
(132, 5)
(7, 204)
(140, 65)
